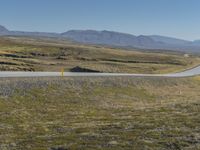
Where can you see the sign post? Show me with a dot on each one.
(62, 72)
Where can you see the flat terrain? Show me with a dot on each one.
(99, 113)
(41, 54)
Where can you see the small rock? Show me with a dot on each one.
(113, 143)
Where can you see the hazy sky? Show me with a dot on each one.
(177, 18)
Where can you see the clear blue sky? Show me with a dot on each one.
(177, 18)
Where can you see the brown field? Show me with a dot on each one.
(41, 54)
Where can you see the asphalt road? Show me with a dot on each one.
(191, 72)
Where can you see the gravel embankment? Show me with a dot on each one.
(10, 86)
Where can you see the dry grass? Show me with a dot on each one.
(96, 113)
(100, 113)
(32, 54)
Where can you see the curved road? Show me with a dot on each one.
(191, 72)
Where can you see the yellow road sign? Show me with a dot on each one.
(62, 72)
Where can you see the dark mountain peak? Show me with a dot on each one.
(3, 30)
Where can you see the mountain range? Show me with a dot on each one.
(111, 38)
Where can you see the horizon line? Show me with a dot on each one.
(121, 32)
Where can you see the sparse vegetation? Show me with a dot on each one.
(33, 54)
(99, 113)
(96, 113)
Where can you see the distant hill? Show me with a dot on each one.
(128, 40)
(39, 34)
(111, 38)
(168, 40)
(196, 42)
(3, 30)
